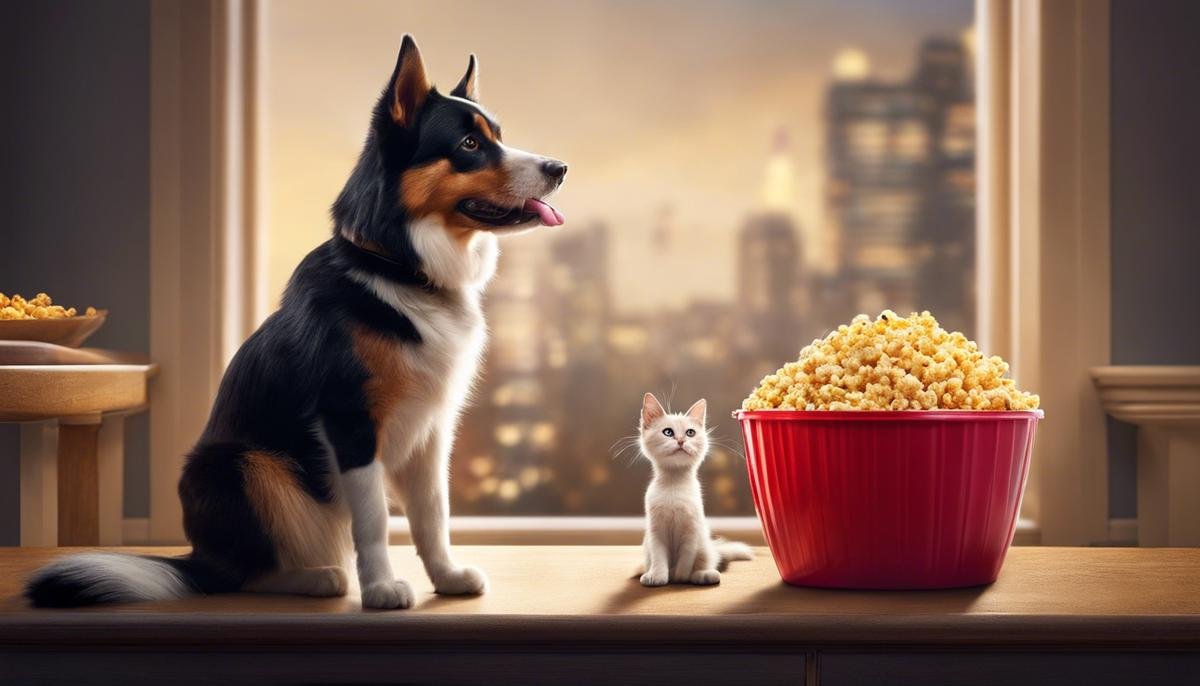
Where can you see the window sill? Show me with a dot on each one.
(558, 530)
(561, 530)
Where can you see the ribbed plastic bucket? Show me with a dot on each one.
(888, 500)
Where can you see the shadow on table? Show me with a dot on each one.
(786, 598)
(633, 594)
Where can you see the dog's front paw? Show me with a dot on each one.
(653, 578)
(706, 577)
(466, 580)
(387, 595)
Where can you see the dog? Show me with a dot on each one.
(359, 378)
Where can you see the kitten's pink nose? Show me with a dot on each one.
(680, 440)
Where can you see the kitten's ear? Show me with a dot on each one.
(699, 411)
(651, 409)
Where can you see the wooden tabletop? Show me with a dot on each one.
(35, 392)
(1115, 598)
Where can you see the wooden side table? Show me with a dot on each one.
(1164, 403)
(72, 405)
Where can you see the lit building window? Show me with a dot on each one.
(508, 435)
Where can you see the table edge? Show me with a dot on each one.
(323, 631)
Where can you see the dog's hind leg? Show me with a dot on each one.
(320, 582)
(306, 533)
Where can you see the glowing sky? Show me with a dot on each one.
(653, 104)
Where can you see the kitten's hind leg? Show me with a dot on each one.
(319, 582)
(704, 571)
(686, 561)
(645, 564)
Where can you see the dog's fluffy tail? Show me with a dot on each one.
(731, 550)
(93, 578)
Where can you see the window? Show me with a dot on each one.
(743, 177)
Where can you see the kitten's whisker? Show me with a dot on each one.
(623, 440)
(622, 445)
(622, 451)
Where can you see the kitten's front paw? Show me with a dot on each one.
(387, 595)
(466, 580)
(653, 578)
(706, 577)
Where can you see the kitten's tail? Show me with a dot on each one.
(91, 578)
(731, 550)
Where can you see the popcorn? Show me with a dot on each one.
(39, 307)
(891, 363)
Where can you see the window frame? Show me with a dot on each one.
(1043, 223)
(1042, 228)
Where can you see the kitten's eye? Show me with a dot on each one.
(470, 144)
(668, 432)
(690, 432)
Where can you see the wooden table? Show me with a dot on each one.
(572, 614)
(1163, 402)
(72, 405)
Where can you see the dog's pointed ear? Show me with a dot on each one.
(410, 86)
(468, 86)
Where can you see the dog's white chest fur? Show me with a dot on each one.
(442, 366)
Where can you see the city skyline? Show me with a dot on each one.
(734, 236)
(663, 144)
(567, 362)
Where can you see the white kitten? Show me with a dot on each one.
(679, 547)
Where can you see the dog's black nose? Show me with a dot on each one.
(554, 169)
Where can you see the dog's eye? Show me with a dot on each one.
(668, 432)
(470, 144)
(690, 432)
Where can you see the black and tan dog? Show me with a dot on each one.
(358, 379)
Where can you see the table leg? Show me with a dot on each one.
(1168, 474)
(111, 479)
(39, 484)
(78, 484)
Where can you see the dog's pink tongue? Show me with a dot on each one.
(547, 213)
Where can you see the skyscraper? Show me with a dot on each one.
(772, 291)
(946, 284)
(576, 302)
(770, 287)
(503, 445)
(900, 186)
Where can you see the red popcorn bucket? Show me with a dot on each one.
(888, 500)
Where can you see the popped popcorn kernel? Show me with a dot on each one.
(891, 363)
(41, 306)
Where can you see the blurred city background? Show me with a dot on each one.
(744, 176)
